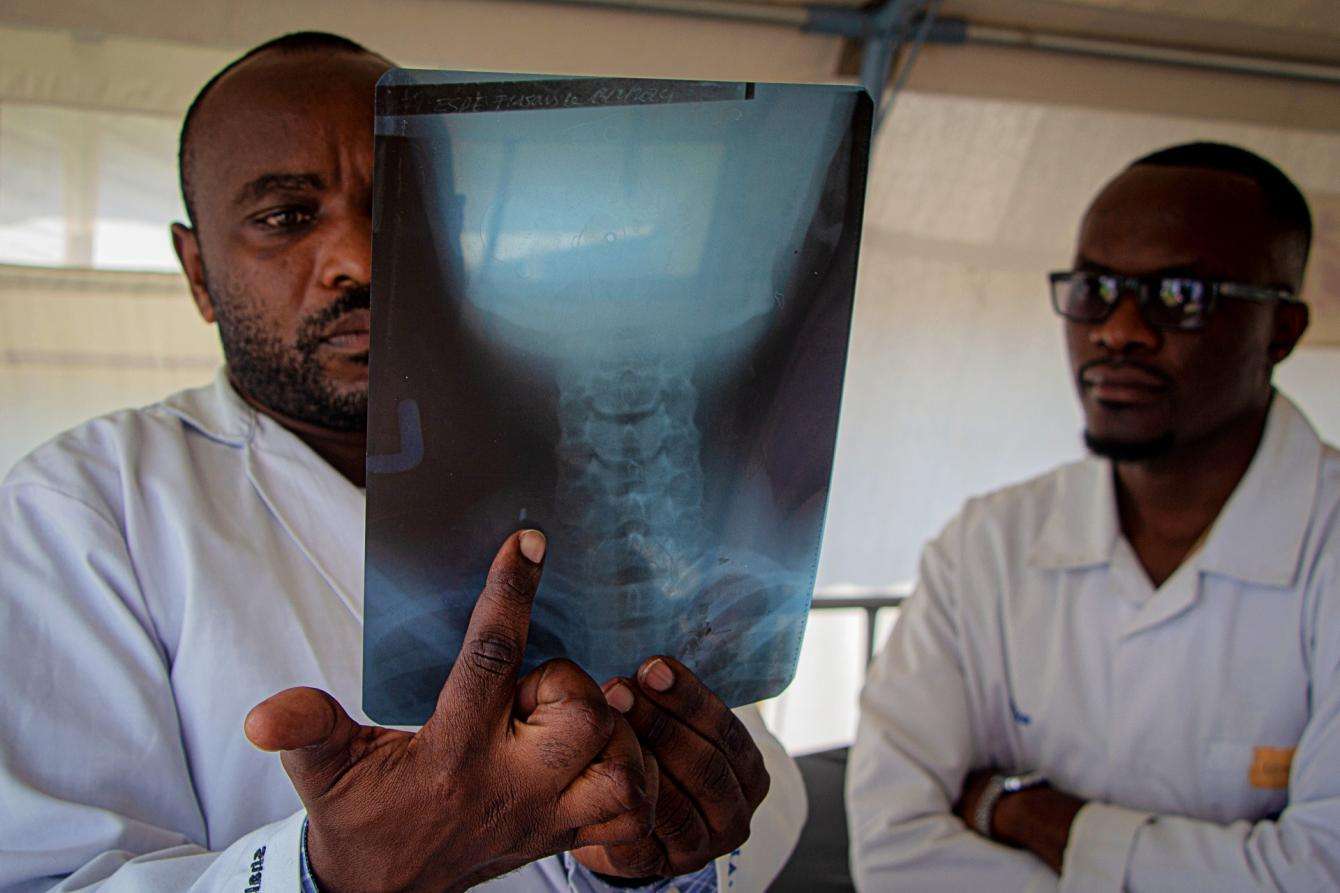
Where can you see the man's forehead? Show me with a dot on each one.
(282, 106)
(1182, 214)
(278, 77)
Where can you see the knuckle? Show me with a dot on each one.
(588, 721)
(493, 651)
(693, 699)
(745, 757)
(512, 585)
(622, 784)
(714, 772)
(682, 829)
(656, 728)
(734, 737)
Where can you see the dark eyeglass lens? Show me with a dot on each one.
(1084, 297)
(1178, 303)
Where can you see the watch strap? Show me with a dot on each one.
(996, 787)
(986, 805)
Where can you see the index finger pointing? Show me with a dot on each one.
(483, 677)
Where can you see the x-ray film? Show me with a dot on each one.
(615, 310)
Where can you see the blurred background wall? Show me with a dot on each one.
(957, 381)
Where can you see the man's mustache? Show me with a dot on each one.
(314, 327)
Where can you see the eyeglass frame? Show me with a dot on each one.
(1144, 289)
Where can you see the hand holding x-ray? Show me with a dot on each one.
(711, 773)
(545, 760)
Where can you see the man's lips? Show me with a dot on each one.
(1123, 384)
(350, 333)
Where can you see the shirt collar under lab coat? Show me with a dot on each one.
(1258, 536)
(314, 503)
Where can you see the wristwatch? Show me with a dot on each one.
(996, 787)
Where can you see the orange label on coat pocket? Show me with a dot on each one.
(1270, 767)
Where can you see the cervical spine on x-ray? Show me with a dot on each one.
(630, 485)
(630, 507)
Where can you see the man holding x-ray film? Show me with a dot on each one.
(179, 574)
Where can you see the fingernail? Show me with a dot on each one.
(532, 546)
(658, 675)
(619, 697)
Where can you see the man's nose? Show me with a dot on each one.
(1125, 329)
(346, 253)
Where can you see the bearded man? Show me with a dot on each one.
(170, 567)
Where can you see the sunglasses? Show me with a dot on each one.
(1177, 303)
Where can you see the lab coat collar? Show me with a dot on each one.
(1258, 536)
(314, 503)
(1081, 528)
(216, 411)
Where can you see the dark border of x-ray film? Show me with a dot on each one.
(546, 95)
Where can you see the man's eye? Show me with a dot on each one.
(284, 218)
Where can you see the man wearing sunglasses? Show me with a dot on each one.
(1125, 674)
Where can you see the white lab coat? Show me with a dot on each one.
(161, 571)
(1201, 720)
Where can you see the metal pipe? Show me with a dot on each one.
(857, 23)
(765, 13)
(927, 22)
(887, 24)
(871, 602)
(1114, 49)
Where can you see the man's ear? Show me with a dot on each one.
(1291, 319)
(187, 245)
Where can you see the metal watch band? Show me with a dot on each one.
(986, 805)
(996, 787)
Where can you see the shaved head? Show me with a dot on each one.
(312, 42)
(1281, 201)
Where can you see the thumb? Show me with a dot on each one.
(312, 733)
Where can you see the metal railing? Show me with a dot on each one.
(870, 599)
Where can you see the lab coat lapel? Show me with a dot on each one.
(1176, 596)
(317, 507)
(1081, 526)
(315, 504)
(1258, 536)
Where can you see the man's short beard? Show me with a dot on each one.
(1129, 450)
(289, 380)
